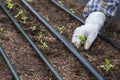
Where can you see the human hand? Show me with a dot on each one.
(89, 31)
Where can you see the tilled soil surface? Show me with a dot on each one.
(27, 62)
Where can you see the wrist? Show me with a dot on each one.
(96, 18)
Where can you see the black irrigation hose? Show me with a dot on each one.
(31, 43)
(109, 40)
(9, 63)
(101, 34)
(79, 56)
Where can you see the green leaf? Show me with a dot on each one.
(102, 66)
(107, 61)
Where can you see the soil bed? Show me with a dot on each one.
(28, 64)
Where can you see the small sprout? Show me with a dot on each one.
(19, 13)
(40, 35)
(1, 29)
(72, 11)
(61, 29)
(114, 34)
(33, 28)
(47, 18)
(24, 18)
(44, 45)
(82, 39)
(9, 4)
(29, 1)
(60, 2)
(107, 65)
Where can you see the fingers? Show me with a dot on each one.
(75, 39)
(90, 40)
(88, 34)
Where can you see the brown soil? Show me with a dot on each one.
(28, 64)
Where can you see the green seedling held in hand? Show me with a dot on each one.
(33, 28)
(24, 18)
(9, 4)
(61, 29)
(107, 65)
(19, 13)
(82, 39)
(47, 18)
(29, 1)
(60, 2)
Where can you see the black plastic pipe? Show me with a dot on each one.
(101, 34)
(31, 43)
(9, 63)
(79, 56)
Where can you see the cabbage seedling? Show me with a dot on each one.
(9, 4)
(19, 13)
(1, 29)
(47, 18)
(61, 29)
(33, 28)
(44, 45)
(72, 11)
(24, 18)
(60, 2)
(29, 1)
(40, 35)
(107, 66)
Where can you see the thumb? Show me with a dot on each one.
(90, 40)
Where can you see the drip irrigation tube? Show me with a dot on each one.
(9, 63)
(31, 42)
(79, 56)
(101, 34)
